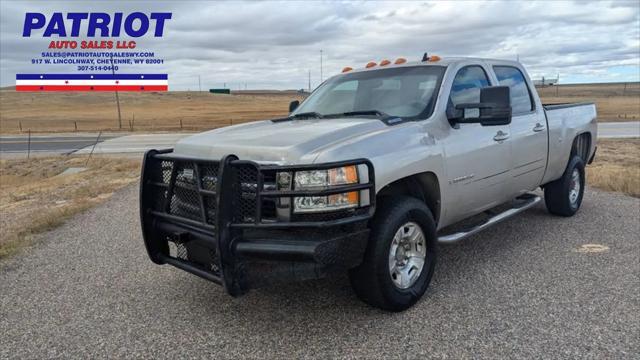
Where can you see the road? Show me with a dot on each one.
(48, 143)
(628, 129)
(138, 143)
(518, 290)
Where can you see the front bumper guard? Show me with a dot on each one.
(226, 217)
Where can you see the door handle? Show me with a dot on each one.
(501, 136)
(538, 127)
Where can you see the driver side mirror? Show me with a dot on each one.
(494, 108)
(293, 105)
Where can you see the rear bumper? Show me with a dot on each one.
(218, 223)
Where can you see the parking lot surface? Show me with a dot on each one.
(525, 288)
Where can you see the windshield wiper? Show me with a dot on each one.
(310, 114)
(377, 113)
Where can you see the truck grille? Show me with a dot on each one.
(180, 196)
(184, 200)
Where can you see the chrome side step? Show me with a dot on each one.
(522, 203)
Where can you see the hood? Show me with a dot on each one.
(283, 142)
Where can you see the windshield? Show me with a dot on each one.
(406, 92)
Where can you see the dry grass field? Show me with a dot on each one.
(614, 102)
(161, 111)
(35, 196)
(172, 111)
(616, 166)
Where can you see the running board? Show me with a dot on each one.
(524, 202)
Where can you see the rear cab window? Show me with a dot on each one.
(521, 99)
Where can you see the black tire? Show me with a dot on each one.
(372, 281)
(556, 193)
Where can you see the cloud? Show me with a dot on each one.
(276, 44)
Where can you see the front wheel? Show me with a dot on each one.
(564, 196)
(400, 257)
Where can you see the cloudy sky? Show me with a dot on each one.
(274, 44)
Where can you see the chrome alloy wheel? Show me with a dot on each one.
(574, 188)
(407, 255)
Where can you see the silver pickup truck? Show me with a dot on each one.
(375, 169)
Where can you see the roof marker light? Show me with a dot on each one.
(400, 61)
(347, 69)
(370, 64)
(385, 62)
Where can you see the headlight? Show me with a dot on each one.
(323, 179)
(315, 179)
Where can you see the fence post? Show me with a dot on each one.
(75, 125)
(180, 123)
(29, 145)
(20, 124)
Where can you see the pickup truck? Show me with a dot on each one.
(367, 176)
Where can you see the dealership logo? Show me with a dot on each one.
(99, 24)
(97, 63)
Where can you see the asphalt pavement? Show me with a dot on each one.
(521, 289)
(627, 129)
(49, 143)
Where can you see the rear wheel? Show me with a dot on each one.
(564, 196)
(401, 255)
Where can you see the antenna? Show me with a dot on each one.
(113, 72)
(320, 65)
(425, 57)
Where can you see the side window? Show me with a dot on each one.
(520, 96)
(466, 88)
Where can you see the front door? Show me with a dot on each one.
(528, 132)
(478, 158)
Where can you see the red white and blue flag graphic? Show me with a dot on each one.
(92, 82)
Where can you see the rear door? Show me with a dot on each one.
(528, 131)
(478, 158)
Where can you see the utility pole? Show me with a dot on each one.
(309, 81)
(113, 72)
(199, 84)
(321, 66)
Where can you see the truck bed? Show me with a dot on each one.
(565, 122)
